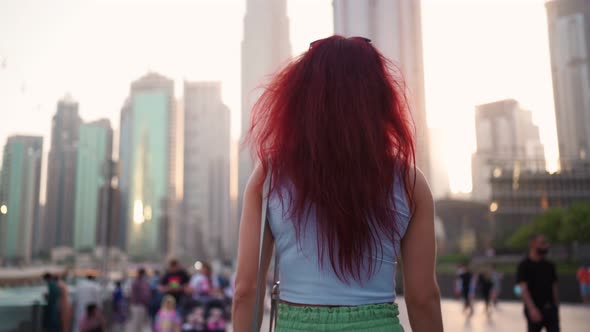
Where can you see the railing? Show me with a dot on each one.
(29, 318)
(24, 318)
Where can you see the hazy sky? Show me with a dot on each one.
(475, 51)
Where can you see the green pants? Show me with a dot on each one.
(372, 317)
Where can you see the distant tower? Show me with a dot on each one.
(147, 172)
(208, 230)
(94, 159)
(395, 28)
(507, 138)
(265, 48)
(19, 198)
(569, 41)
(58, 229)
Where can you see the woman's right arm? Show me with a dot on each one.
(418, 248)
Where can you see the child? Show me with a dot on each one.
(195, 322)
(216, 322)
(167, 319)
(92, 321)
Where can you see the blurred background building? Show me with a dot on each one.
(506, 137)
(149, 139)
(207, 230)
(265, 48)
(19, 198)
(569, 41)
(92, 168)
(58, 227)
(395, 27)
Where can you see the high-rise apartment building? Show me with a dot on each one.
(94, 160)
(19, 198)
(208, 230)
(395, 28)
(265, 48)
(147, 166)
(61, 180)
(506, 138)
(569, 40)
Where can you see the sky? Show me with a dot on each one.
(475, 51)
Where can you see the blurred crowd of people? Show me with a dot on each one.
(173, 301)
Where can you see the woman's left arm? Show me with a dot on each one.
(248, 251)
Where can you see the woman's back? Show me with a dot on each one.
(334, 136)
(305, 281)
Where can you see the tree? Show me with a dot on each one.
(548, 224)
(576, 224)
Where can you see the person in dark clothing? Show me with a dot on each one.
(485, 285)
(51, 311)
(464, 282)
(175, 281)
(538, 282)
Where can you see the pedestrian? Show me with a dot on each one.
(167, 319)
(155, 295)
(583, 276)
(538, 283)
(485, 285)
(335, 148)
(497, 285)
(51, 310)
(65, 304)
(465, 283)
(205, 288)
(93, 321)
(87, 293)
(175, 282)
(140, 300)
(120, 307)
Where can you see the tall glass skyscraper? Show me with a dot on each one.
(266, 45)
(94, 156)
(569, 42)
(149, 166)
(61, 183)
(207, 229)
(395, 28)
(19, 197)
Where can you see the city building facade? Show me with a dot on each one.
(265, 47)
(569, 42)
(518, 197)
(94, 158)
(147, 171)
(208, 230)
(58, 226)
(395, 28)
(20, 180)
(506, 137)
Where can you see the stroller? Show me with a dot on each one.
(204, 315)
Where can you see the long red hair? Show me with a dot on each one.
(335, 124)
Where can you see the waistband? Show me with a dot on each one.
(384, 313)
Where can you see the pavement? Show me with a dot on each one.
(508, 317)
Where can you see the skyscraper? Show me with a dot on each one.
(124, 175)
(209, 232)
(94, 158)
(265, 48)
(19, 197)
(148, 170)
(507, 138)
(61, 182)
(569, 41)
(395, 28)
